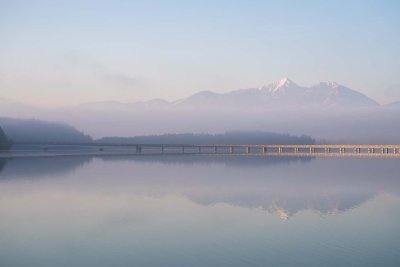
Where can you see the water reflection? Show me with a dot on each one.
(199, 211)
(2, 164)
(279, 185)
(233, 161)
(40, 167)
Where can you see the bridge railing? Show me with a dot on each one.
(220, 149)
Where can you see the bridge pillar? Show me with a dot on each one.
(327, 150)
(312, 150)
(231, 149)
(215, 149)
(138, 149)
(264, 149)
(385, 150)
(280, 150)
(247, 149)
(296, 150)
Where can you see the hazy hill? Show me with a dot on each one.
(31, 130)
(227, 138)
(4, 141)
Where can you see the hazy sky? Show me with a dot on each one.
(67, 52)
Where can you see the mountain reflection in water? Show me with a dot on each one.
(199, 211)
(279, 185)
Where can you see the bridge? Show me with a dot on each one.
(103, 149)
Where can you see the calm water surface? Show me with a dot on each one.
(199, 211)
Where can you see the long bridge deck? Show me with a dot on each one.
(103, 149)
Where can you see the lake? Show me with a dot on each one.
(194, 210)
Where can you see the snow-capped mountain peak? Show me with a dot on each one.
(279, 85)
(283, 88)
(285, 82)
(279, 94)
(286, 93)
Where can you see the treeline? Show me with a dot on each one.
(5, 143)
(226, 138)
(37, 131)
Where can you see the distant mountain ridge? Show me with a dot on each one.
(283, 93)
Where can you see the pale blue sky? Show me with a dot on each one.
(67, 52)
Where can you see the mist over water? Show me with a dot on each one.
(199, 211)
(333, 125)
(375, 125)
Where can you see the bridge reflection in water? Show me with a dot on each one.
(71, 149)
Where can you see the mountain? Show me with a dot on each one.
(280, 94)
(30, 130)
(334, 94)
(283, 93)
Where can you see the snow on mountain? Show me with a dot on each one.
(283, 93)
(334, 94)
(281, 87)
(280, 94)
